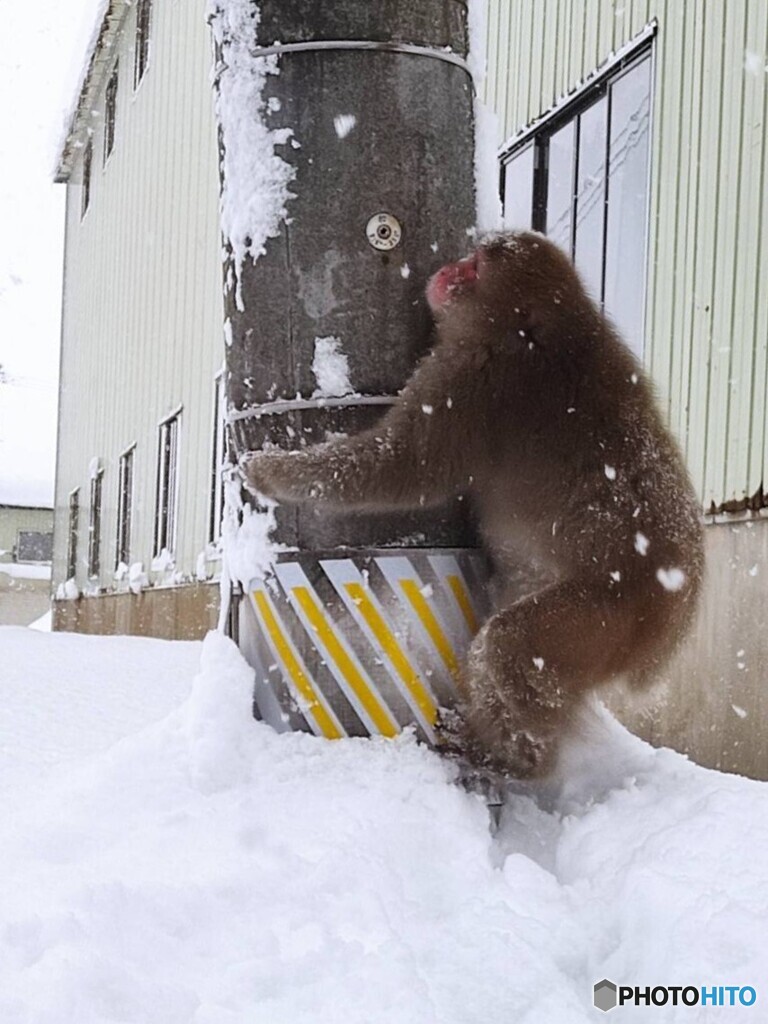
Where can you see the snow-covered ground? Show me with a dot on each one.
(164, 859)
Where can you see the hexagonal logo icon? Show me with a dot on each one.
(605, 995)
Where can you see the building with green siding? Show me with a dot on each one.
(634, 133)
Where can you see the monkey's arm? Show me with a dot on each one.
(411, 460)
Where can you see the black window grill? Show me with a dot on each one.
(74, 525)
(582, 178)
(141, 52)
(216, 503)
(167, 485)
(110, 114)
(85, 198)
(94, 525)
(124, 508)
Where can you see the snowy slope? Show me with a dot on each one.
(206, 870)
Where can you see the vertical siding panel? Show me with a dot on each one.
(758, 451)
(621, 17)
(589, 54)
(605, 29)
(690, 127)
(548, 55)
(641, 15)
(656, 300)
(664, 349)
(705, 242)
(518, 55)
(739, 481)
(505, 58)
(727, 185)
(509, 57)
(538, 16)
(556, 49)
(491, 79)
(563, 51)
(526, 56)
(576, 66)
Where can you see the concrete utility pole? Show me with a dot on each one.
(360, 629)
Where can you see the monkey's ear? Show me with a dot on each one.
(539, 325)
(532, 322)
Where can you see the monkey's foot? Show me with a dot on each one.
(450, 731)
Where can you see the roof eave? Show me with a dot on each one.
(99, 60)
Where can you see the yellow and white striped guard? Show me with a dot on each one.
(364, 645)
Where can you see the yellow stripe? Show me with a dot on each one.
(393, 650)
(328, 727)
(432, 626)
(375, 709)
(462, 599)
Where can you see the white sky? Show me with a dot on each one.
(42, 48)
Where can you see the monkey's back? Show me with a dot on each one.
(586, 482)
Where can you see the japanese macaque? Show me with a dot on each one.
(531, 406)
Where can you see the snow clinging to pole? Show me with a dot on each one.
(255, 190)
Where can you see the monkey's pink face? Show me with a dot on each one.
(453, 280)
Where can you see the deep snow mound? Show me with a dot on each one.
(207, 870)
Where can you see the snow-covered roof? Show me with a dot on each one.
(108, 19)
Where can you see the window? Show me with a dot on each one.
(110, 114)
(141, 53)
(216, 507)
(124, 508)
(167, 485)
(94, 524)
(34, 546)
(74, 523)
(582, 178)
(85, 199)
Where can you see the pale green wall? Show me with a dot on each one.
(707, 304)
(143, 315)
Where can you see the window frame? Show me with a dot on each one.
(218, 453)
(167, 484)
(125, 494)
(110, 112)
(570, 112)
(142, 37)
(94, 523)
(85, 196)
(73, 528)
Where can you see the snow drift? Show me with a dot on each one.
(203, 869)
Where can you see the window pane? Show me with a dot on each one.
(628, 202)
(590, 197)
(518, 190)
(560, 186)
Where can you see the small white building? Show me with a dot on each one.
(26, 543)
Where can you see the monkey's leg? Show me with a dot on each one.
(529, 668)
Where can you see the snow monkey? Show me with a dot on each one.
(531, 406)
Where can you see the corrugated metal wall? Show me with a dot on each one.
(142, 328)
(707, 305)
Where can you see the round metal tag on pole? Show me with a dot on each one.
(360, 627)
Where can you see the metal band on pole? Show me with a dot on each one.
(292, 404)
(356, 44)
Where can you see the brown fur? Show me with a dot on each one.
(531, 405)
